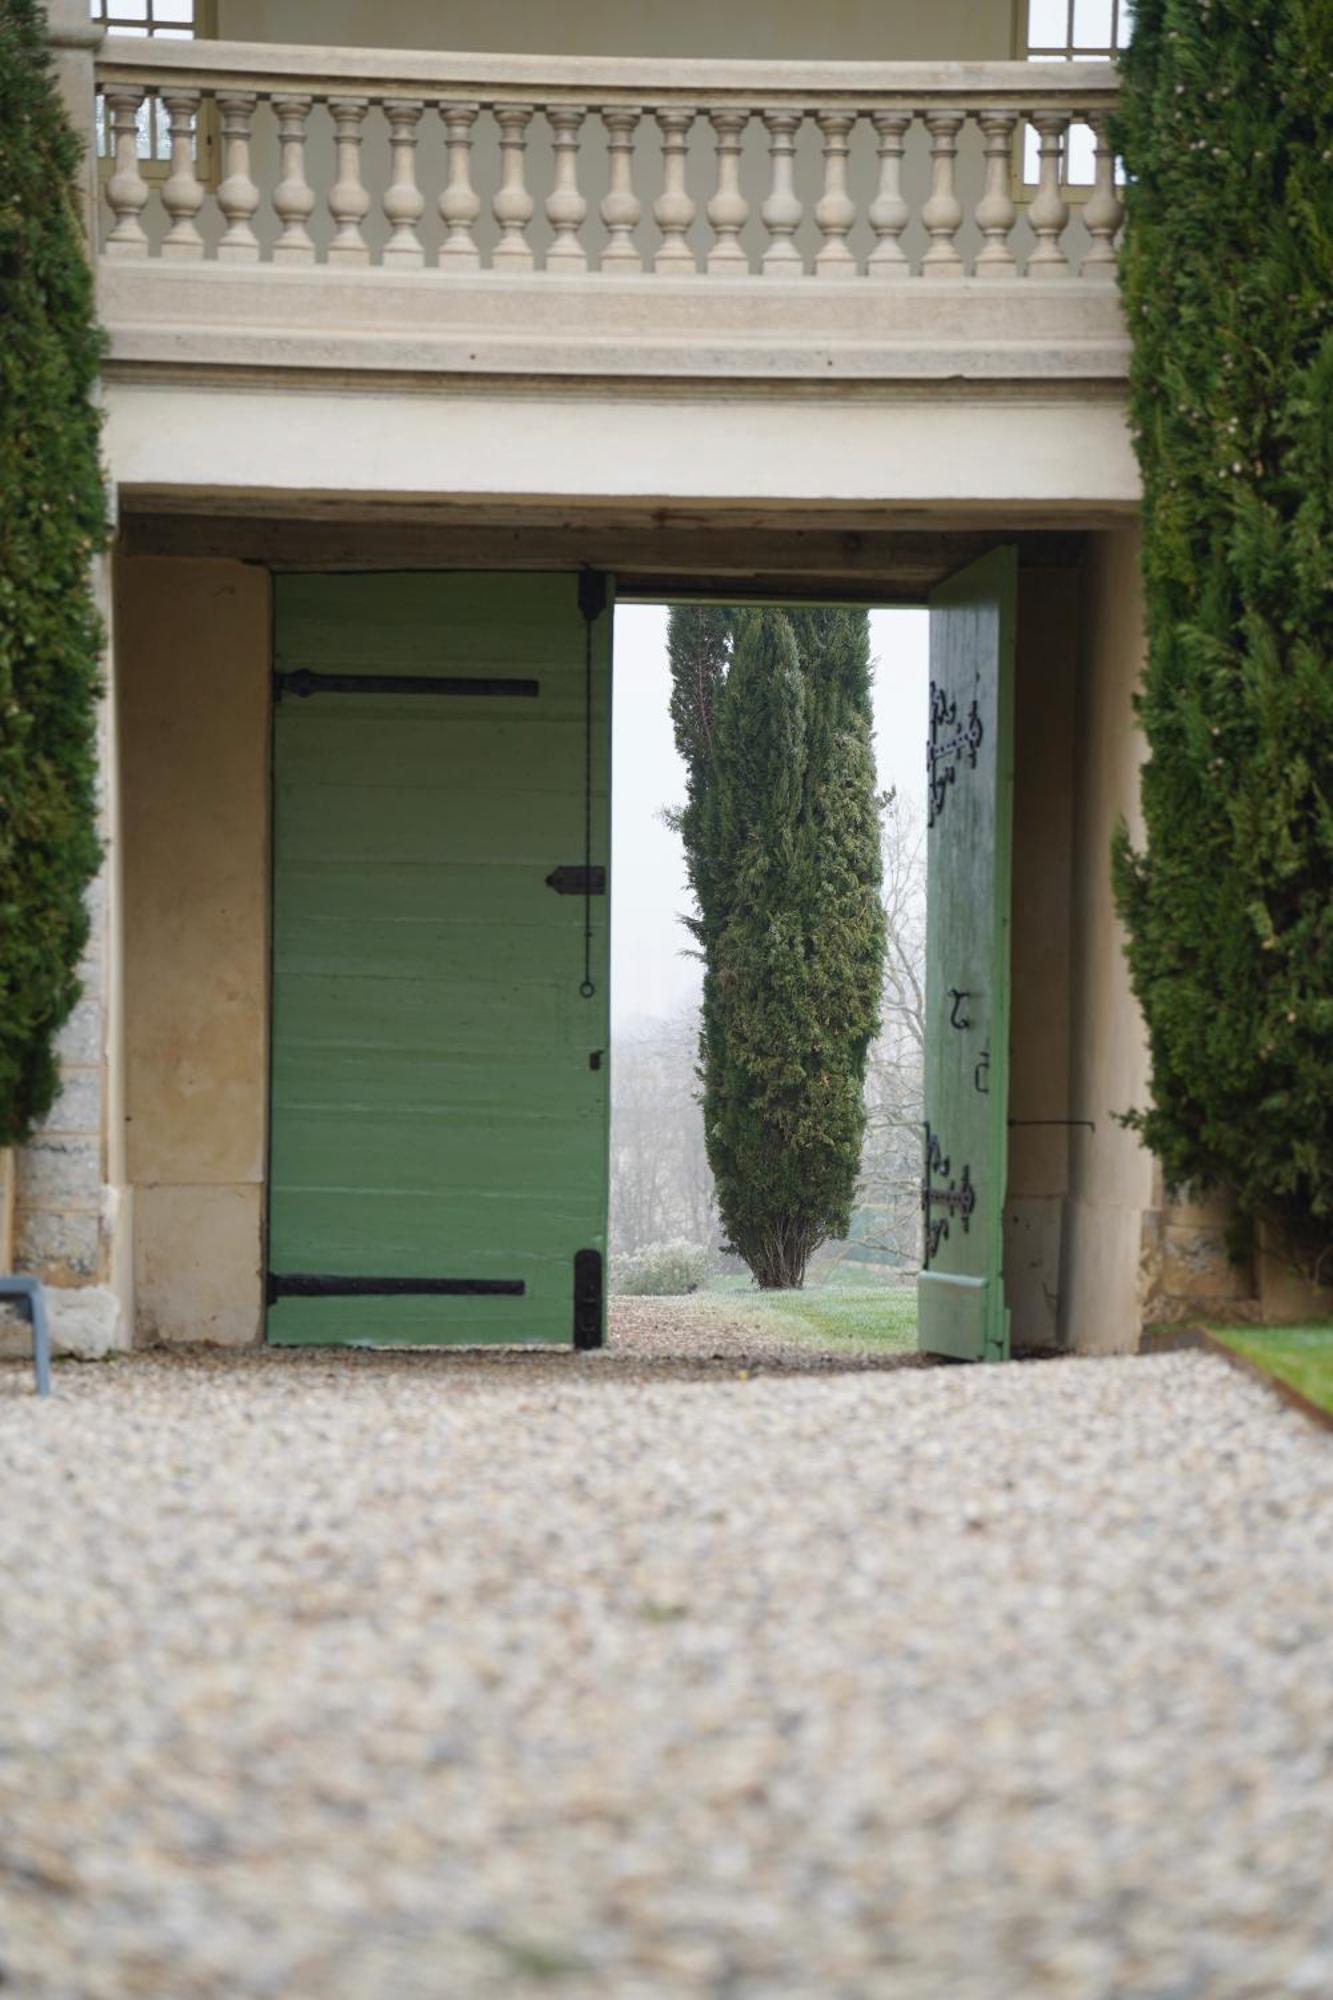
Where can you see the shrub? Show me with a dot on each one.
(1227, 132)
(52, 521)
(781, 835)
(662, 1270)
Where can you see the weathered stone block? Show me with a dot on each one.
(63, 1246)
(1196, 1265)
(85, 1322)
(1198, 1208)
(198, 1264)
(59, 1173)
(80, 1040)
(79, 1105)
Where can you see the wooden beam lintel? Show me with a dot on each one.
(522, 511)
(886, 566)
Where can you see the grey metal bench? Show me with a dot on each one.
(28, 1295)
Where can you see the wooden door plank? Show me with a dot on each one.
(434, 1111)
(962, 1309)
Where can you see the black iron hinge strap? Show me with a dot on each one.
(318, 1285)
(303, 682)
(592, 604)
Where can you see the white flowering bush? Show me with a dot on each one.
(661, 1270)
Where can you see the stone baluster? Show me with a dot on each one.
(995, 211)
(1104, 211)
(728, 211)
(459, 203)
(182, 191)
(782, 211)
(621, 208)
(404, 202)
(566, 208)
(349, 203)
(293, 197)
(674, 211)
(835, 211)
(943, 212)
(127, 190)
(238, 197)
(1049, 211)
(512, 206)
(889, 213)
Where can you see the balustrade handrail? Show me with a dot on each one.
(754, 86)
(842, 103)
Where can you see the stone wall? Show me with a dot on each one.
(849, 30)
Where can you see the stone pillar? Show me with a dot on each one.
(71, 1211)
(194, 718)
(1111, 1207)
(75, 40)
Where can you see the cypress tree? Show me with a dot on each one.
(1227, 133)
(51, 522)
(773, 719)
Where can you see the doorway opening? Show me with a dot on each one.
(207, 1138)
(671, 1272)
(442, 850)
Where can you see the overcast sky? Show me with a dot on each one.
(649, 975)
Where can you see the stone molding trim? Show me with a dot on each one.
(322, 323)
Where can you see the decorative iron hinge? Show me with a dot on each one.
(959, 1198)
(947, 750)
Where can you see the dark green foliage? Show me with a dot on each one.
(781, 831)
(1227, 132)
(51, 523)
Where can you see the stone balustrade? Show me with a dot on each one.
(559, 167)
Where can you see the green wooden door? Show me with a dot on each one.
(438, 1148)
(970, 809)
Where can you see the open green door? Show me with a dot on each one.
(438, 1150)
(970, 779)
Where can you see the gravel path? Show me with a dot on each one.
(367, 1678)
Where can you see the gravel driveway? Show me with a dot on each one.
(383, 1677)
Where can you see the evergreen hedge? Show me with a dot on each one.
(781, 833)
(52, 521)
(1226, 128)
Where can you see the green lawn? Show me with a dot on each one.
(1301, 1355)
(850, 1316)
